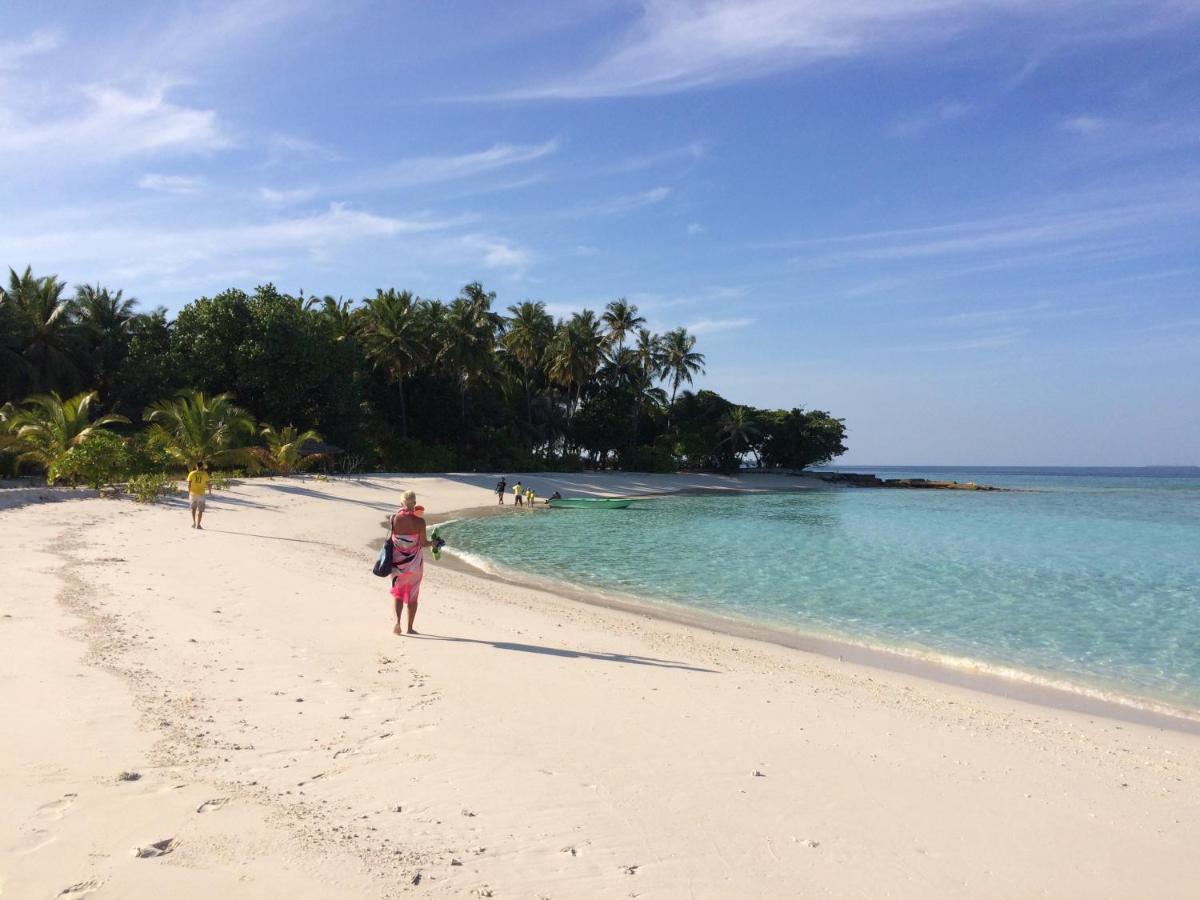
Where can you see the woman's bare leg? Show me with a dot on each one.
(412, 614)
(399, 629)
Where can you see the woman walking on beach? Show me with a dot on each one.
(408, 540)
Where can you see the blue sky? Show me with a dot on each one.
(970, 228)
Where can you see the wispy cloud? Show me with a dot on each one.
(914, 125)
(1088, 126)
(715, 326)
(171, 184)
(1042, 229)
(688, 153)
(13, 54)
(149, 251)
(112, 124)
(434, 169)
(624, 204)
(685, 44)
(286, 196)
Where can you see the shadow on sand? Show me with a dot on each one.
(269, 537)
(572, 654)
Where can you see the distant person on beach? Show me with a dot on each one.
(518, 494)
(530, 497)
(408, 541)
(501, 489)
(199, 484)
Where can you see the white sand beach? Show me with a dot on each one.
(233, 704)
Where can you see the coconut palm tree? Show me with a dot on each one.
(739, 429)
(468, 345)
(48, 426)
(105, 321)
(649, 351)
(282, 451)
(394, 338)
(195, 428)
(44, 333)
(574, 355)
(526, 336)
(620, 318)
(680, 361)
(338, 314)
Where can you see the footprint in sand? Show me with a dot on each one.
(56, 809)
(210, 805)
(77, 891)
(158, 848)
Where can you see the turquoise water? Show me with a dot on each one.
(1092, 577)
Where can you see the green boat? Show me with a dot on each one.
(590, 503)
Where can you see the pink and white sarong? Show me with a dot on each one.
(407, 567)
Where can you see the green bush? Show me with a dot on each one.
(101, 459)
(148, 457)
(644, 458)
(149, 487)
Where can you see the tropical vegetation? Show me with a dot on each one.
(394, 381)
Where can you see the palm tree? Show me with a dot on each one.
(8, 433)
(282, 452)
(620, 319)
(680, 361)
(394, 338)
(48, 426)
(574, 355)
(338, 314)
(649, 349)
(525, 338)
(739, 430)
(468, 346)
(105, 320)
(44, 333)
(195, 428)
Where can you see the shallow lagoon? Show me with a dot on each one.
(1087, 576)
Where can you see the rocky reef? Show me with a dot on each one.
(860, 479)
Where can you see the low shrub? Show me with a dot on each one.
(149, 487)
(103, 458)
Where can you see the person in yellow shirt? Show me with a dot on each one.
(198, 486)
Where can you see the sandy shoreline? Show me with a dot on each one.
(527, 746)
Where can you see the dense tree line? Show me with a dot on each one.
(397, 381)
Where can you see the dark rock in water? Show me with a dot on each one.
(861, 479)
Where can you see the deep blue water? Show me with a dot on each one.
(1085, 576)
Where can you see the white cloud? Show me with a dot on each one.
(497, 253)
(696, 228)
(628, 203)
(434, 169)
(715, 326)
(1088, 126)
(107, 124)
(171, 184)
(148, 255)
(917, 124)
(286, 197)
(1067, 226)
(684, 44)
(14, 53)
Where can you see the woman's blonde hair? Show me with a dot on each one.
(409, 499)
